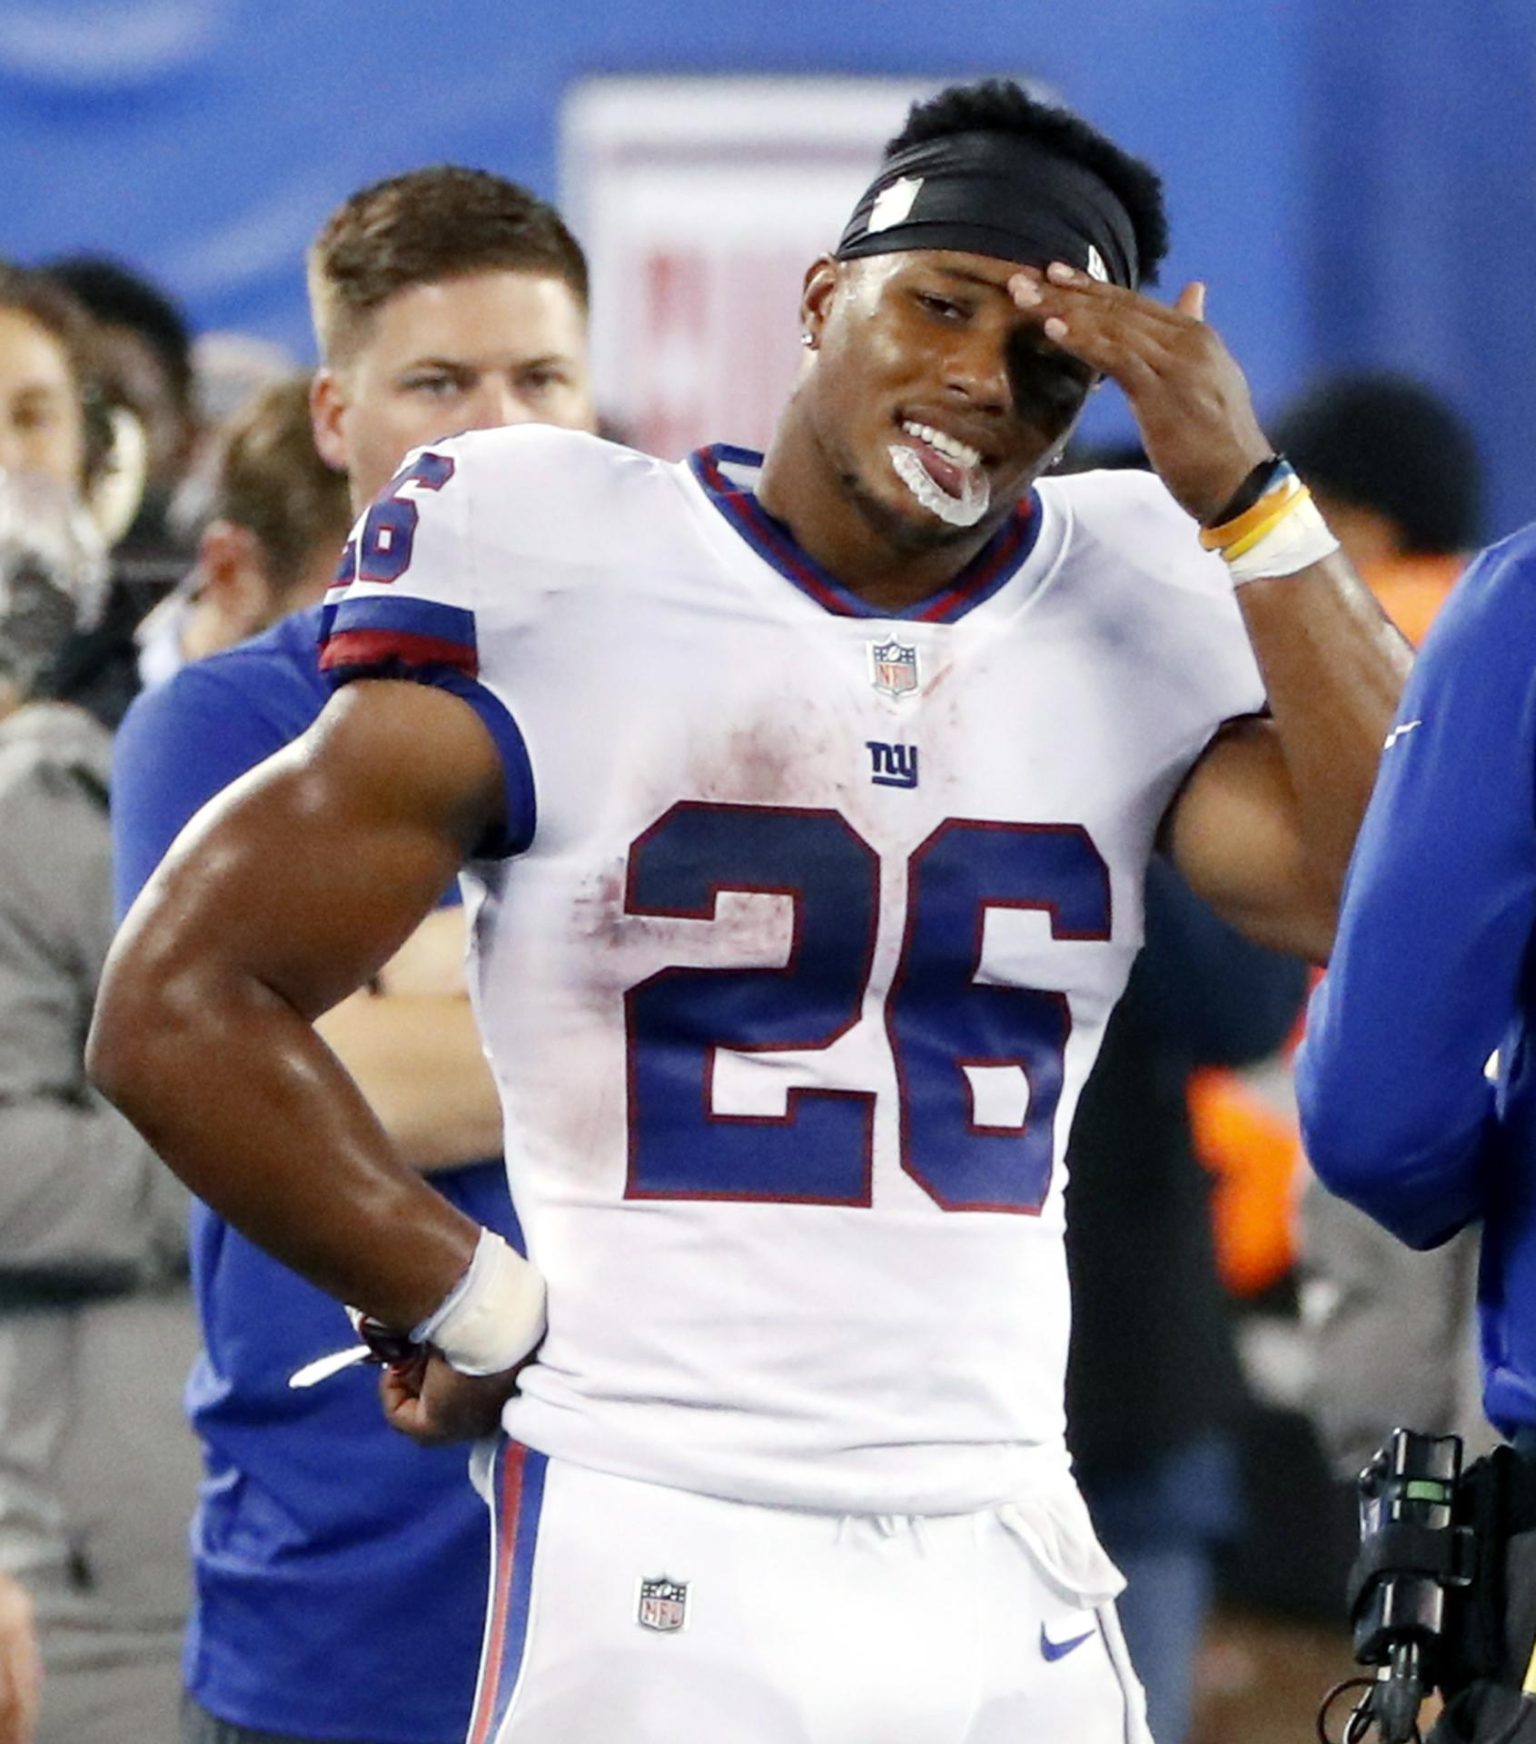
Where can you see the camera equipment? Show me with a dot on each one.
(1412, 1553)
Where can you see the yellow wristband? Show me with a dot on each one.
(1278, 512)
(1280, 486)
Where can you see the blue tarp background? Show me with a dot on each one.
(1356, 188)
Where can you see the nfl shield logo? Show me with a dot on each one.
(663, 1605)
(893, 668)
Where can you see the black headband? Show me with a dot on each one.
(997, 194)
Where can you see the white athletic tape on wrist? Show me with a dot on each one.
(493, 1317)
(1301, 539)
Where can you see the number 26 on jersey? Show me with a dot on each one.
(944, 1026)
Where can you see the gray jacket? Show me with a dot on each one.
(84, 1206)
(97, 1470)
(86, 1211)
(1393, 1333)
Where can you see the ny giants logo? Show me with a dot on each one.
(892, 765)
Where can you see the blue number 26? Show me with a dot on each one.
(941, 1020)
(381, 550)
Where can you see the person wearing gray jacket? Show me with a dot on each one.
(91, 1239)
(97, 1474)
(82, 1200)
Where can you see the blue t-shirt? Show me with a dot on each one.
(1434, 969)
(340, 1570)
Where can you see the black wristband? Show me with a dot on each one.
(386, 1344)
(1248, 492)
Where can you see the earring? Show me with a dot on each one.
(807, 340)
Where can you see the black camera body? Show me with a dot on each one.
(1411, 1550)
(1413, 1554)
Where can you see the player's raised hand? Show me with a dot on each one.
(1189, 397)
(428, 1399)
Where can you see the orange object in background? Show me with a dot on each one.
(1255, 1158)
(1411, 590)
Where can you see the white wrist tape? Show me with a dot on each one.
(493, 1317)
(1296, 542)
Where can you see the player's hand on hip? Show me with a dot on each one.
(1190, 399)
(430, 1401)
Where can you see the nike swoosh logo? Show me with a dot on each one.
(1400, 732)
(1054, 1650)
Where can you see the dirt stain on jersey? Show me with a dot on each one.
(783, 760)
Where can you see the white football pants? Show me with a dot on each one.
(626, 1613)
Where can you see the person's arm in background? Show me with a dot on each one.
(21, 1666)
(410, 1041)
(1430, 967)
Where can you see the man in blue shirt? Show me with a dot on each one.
(1403, 1111)
(330, 1553)
(1417, 1089)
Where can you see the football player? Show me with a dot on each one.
(807, 800)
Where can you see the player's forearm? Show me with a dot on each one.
(418, 1061)
(1334, 669)
(275, 1136)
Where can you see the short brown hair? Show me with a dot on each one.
(271, 480)
(443, 222)
(43, 299)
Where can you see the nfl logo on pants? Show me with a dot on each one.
(663, 1605)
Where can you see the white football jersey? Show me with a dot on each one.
(800, 942)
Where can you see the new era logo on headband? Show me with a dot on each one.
(998, 195)
(894, 204)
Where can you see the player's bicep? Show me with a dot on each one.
(309, 873)
(1235, 832)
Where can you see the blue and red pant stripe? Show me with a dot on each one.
(517, 1499)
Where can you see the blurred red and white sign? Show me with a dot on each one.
(701, 202)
